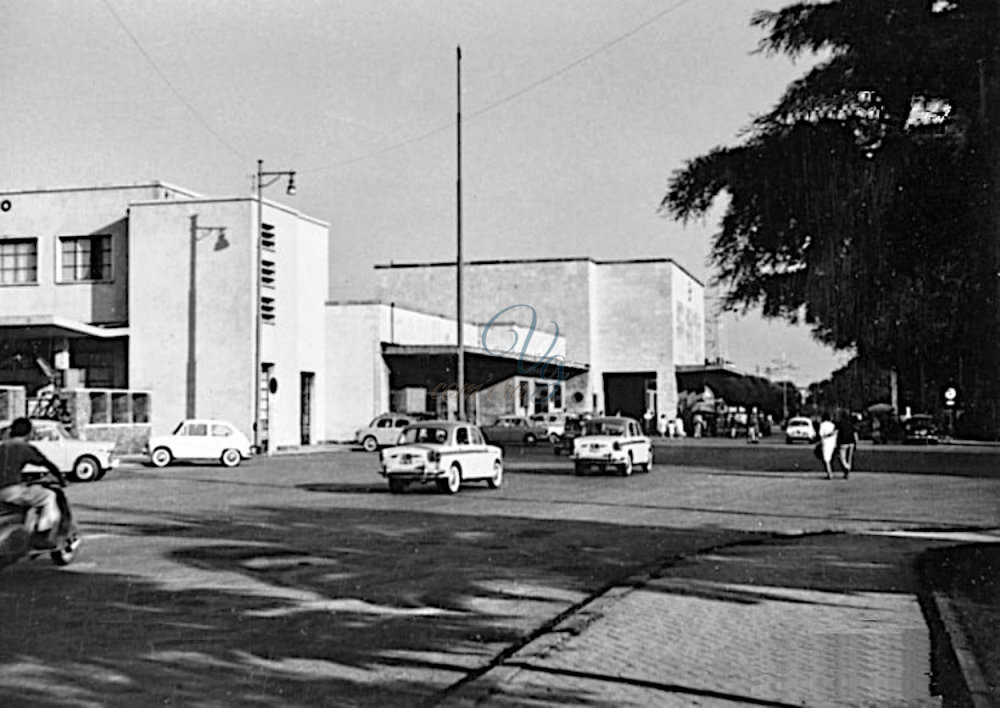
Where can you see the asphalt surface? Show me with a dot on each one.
(299, 580)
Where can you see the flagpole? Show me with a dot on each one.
(458, 257)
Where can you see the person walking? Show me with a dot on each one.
(753, 427)
(828, 443)
(847, 442)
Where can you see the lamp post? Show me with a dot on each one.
(271, 177)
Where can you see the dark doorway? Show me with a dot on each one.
(306, 379)
(626, 393)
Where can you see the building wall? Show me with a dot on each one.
(49, 214)
(218, 331)
(617, 316)
(689, 319)
(221, 324)
(558, 291)
(357, 378)
(357, 375)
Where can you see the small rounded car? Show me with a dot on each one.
(921, 429)
(614, 443)
(194, 440)
(799, 429)
(383, 430)
(445, 453)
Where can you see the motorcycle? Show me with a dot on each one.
(19, 538)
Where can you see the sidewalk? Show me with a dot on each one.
(821, 620)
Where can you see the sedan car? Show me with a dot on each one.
(447, 453)
(921, 430)
(82, 460)
(799, 429)
(612, 443)
(383, 430)
(200, 440)
(515, 428)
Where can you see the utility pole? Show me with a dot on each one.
(458, 257)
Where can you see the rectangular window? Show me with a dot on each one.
(18, 261)
(85, 258)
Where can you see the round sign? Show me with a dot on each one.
(5, 205)
(950, 394)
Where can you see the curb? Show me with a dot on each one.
(960, 647)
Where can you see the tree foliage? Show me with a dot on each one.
(858, 203)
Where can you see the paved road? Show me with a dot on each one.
(300, 581)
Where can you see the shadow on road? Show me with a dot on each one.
(303, 606)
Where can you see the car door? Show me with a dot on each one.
(466, 453)
(194, 442)
(385, 433)
(50, 443)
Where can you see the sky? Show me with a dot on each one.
(575, 114)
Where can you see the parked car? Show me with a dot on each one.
(384, 430)
(200, 440)
(799, 429)
(446, 453)
(554, 424)
(572, 429)
(612, 443)
(83, 460)
(921, 430)
(514, 428)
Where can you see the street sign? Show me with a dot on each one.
(950, 394)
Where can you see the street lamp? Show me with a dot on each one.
(271, 177)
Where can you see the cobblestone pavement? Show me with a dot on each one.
(802, 621)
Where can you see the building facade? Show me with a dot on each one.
(627, 323)
(154, 287)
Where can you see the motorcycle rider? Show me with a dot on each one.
(15, 453)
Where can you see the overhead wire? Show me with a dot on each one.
(177, 94)
(510, 97)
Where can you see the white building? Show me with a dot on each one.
(627, 324)
(154, 287)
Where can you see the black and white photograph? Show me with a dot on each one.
(499, 353)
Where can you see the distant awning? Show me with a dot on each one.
(429, 365)
(54, 326)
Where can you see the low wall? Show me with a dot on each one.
(129, 438)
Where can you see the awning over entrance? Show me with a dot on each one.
(428, 366)
(55, 326)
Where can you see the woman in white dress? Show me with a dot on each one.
(828, 440)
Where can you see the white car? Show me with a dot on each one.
(382, 431)
(447, 453)
(612, 443)
(200, 440)
(82, 460)
(554, 423)
(799, 429)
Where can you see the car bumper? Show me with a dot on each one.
(417, 473)
(610, 458)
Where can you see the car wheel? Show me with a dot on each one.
(370, 444)
(65, 554)
(649, 462)
(579, 468)
(230, 457)
(627, 467)
(86, 469)
(496, 480)
(788, 441)
(161, 457)
(452, 482)
(396, 486)
(530, 439)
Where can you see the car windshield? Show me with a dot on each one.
(604, 427)
(421, 434)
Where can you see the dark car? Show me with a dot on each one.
(921, 430)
